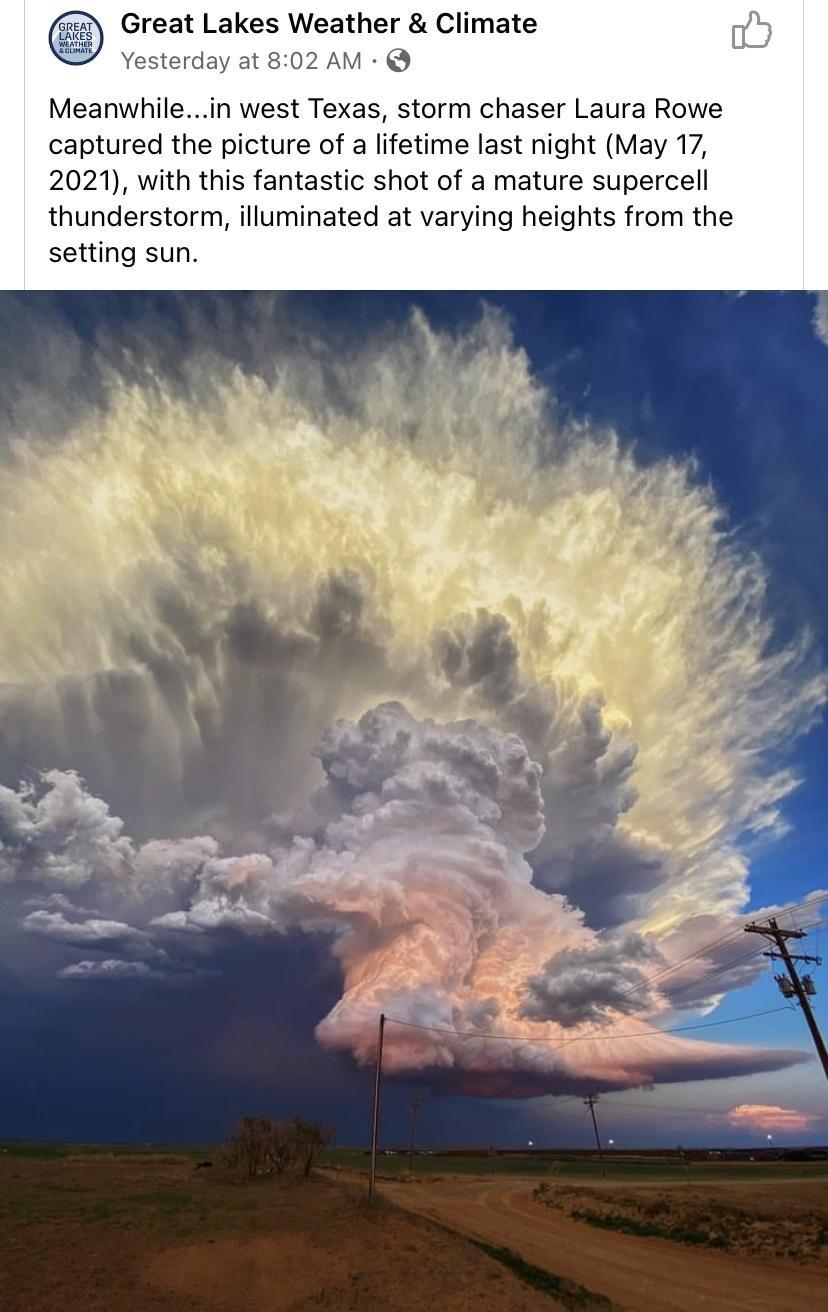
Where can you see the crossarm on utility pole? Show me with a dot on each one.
(779, 936)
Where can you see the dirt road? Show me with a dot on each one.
(642, 1275)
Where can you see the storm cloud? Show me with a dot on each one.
(362, 642)
(583, 984)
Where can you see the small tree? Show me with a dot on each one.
(311, 1138)
(250, 1145)
(283, 1146)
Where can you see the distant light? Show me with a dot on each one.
(611, 1142)
(531, 1143)
(770, 1138)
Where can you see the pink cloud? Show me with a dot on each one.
(770, 1119)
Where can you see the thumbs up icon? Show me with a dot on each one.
(753, 34)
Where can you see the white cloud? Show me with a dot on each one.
(88, 933)
(112, 968)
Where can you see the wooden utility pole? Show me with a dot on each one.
(416, 1104)
(775, 934)
(372, 1179)
(590, 1101)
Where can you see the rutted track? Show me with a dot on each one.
(644, 1275)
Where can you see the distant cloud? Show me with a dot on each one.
(770, 1119)
(89, 933)
(112, 968)
(821, 316)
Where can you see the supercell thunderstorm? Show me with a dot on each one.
(365, 643)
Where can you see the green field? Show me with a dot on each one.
(125, 1229)
(51, 1150)
(628, 1167)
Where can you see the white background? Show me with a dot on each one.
(762, 165)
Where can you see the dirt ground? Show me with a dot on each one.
(642, 1274)
(136, 1236)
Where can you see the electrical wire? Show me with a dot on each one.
(664, 1107)
(720, 970)
(716, 942)
(674, 1029)
(582, 1038)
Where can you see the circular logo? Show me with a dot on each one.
(398, 60)
(76, 37)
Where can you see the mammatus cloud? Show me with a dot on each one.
(363, 643)
(769, 1119)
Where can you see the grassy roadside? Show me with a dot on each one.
(791, 1224)
(574, 1297)
(569, 1294)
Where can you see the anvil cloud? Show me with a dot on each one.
(364, 643)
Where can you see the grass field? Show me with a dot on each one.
(54, 1150)
(121, 1230)
(139, 1228)
(623, 1167)
(627, 1168)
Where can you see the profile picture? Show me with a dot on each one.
(76, 37)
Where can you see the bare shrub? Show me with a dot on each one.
(261, 1147)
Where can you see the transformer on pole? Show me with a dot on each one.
(793, 986)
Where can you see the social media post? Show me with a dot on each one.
(643, 145)
(413, 657)
(412, 801)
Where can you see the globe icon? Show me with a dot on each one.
(398, 60)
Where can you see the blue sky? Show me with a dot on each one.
(738, 382)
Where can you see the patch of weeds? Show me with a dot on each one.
(630, 1225)
(574, 1297)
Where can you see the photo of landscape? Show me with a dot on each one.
(412, 801)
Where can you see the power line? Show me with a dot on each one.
(701, 952)
(773, 930)
(716, 942)
(798, 906)
(666, 1107)
(581, 1038)
(725, 966)
(720, 970)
